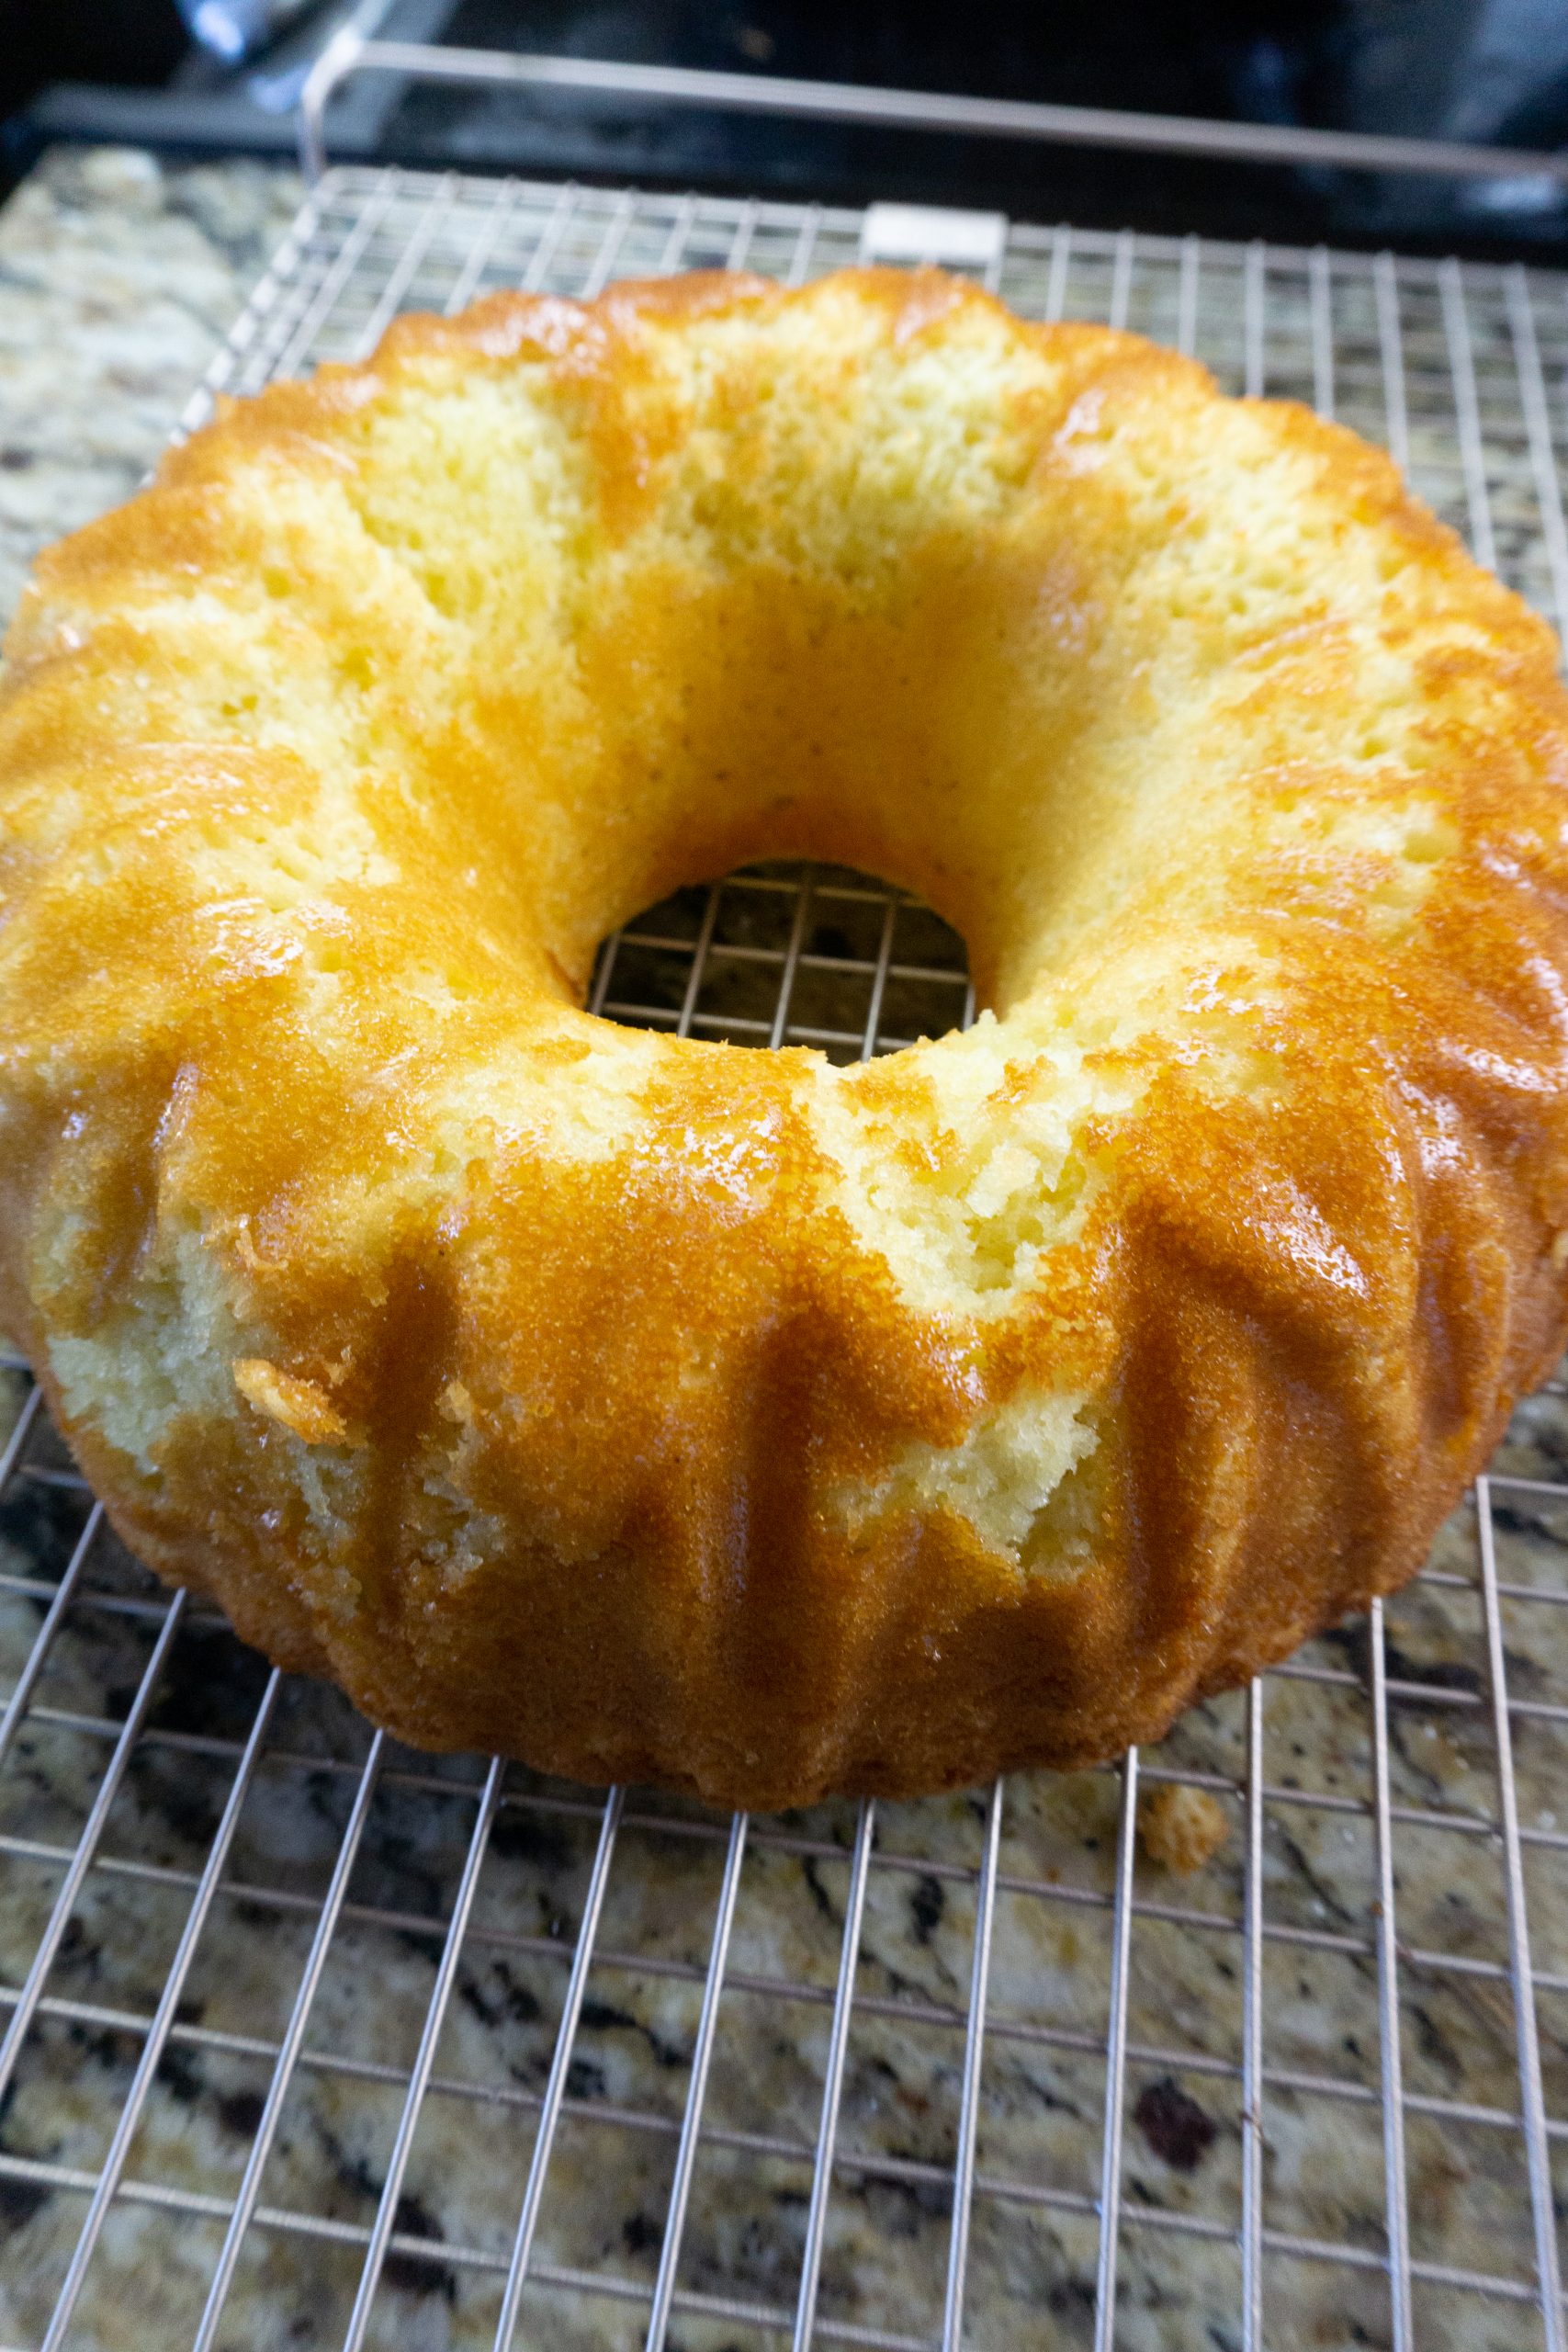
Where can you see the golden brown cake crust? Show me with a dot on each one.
(651, 1409)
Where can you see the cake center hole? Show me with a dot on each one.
(788, 954)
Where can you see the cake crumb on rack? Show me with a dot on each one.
(1182, 1828)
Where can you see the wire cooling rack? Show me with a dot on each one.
(309, 2040)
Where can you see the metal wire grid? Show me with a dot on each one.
(311, 2040)
(754, 958)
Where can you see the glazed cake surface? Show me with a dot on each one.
(654, 1409)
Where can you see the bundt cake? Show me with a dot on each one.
(654, 1409)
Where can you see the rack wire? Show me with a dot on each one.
(313, 2041)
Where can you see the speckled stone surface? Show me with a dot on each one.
(1033, 2252)
(117, 281)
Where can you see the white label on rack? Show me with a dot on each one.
(933, 233)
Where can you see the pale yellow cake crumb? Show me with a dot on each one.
(1182, 1828)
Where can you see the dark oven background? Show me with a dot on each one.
(220, 75)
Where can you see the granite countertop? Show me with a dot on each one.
(118, 279)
